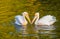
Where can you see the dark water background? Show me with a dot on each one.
(10, 8)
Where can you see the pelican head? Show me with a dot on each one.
(25, 14)
(36, 17)
(37, 14)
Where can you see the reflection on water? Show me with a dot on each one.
(45, 28)
(21, 29)
(39, 32)
(46, 31)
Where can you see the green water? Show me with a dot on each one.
(10, 8)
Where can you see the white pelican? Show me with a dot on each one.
(20, 20)
(46, 20)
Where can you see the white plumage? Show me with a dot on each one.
(46, 20)
(20, 20)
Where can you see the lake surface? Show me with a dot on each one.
(7, 30)
(40, 32)
(30, 31)
(10, 8)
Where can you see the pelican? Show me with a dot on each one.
(46, 20)
(20, 20)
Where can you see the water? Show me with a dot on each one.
(39, 32)
(9, 9)
(30, 31)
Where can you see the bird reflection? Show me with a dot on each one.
(44, 29)
(21, 29)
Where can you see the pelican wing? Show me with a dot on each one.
(20, 19)
(47, 20)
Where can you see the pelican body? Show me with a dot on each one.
(20, 20)
(46, 20)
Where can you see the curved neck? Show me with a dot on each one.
(24, 18)
(37, 19)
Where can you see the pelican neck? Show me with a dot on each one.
(24, 16)
(37, 20)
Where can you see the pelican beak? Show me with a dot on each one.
(34, 19)
(27, 16)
